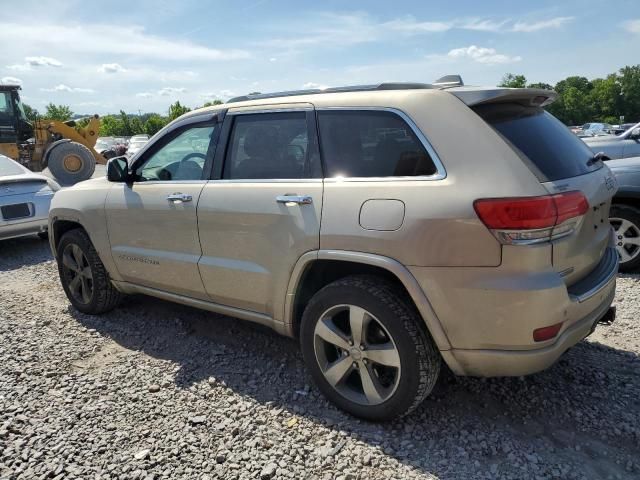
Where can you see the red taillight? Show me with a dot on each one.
(516, 213)
(546, 333)
(530, 219)
(570, 205)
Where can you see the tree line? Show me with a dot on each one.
(581, 100)
(117, 125)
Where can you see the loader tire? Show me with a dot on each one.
(71, 162)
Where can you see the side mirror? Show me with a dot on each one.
(118, 170)
(635, 134)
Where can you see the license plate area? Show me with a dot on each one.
(16, 211)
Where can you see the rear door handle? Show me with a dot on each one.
(179, 197)
(299, 199)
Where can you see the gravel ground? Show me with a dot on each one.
(156, 390)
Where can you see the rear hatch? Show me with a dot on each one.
(562, 163)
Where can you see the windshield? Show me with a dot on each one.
(548, 147)
(9, 167)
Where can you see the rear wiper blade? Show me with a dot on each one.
(598, 157)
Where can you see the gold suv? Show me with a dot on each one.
(389, 228)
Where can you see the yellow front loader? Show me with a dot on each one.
(63, 147)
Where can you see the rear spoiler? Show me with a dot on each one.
(535, 97)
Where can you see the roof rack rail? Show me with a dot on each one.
(445, 82)
(352, 88)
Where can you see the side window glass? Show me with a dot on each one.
(369, 143)
(182, 158)
(268, 146)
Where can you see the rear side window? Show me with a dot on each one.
(269, 146)
(369, 143)
(546, 144)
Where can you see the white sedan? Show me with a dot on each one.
(24, 200)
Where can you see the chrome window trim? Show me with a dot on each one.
(441, 172)
(302, 108)
(268, 180)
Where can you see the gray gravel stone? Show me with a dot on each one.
(234, 401)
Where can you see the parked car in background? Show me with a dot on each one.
(597, 128)
(332, 219)
(625, 212)
(104, 143)
(622, 128)
(24, 200)
(624, 145)
(135, 144)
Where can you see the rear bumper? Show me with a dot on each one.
(489, 314)
(39, 203)
(505, 363)
(24, 228)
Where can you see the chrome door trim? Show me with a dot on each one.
(441, 172)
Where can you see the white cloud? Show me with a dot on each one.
(488, 56)
(35, 62)
(66, 88)
(541, 25)
(11, 81)
(632, 26)
(110, 39)
(410, 25)
(111, 68)
(19, 67)
(273, 59)
(169, 91)
(43, 62)
(483, 25)
(144, 95)
(312, 85)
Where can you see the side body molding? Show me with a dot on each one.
(396, 268)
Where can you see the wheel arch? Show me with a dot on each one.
(59, 227)
(316, 269)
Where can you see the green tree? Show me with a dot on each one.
(605, 98)
(58, 112)
(30, 112)
(211, 104)
(513, 81)
(176, 110)
(541, 85)
(111, 126)
(154, 123)
(137, 126)
(629, 78)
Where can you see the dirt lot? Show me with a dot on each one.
(155, 390)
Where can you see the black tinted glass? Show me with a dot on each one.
(364, 143)
(552, 151)
(268, 146)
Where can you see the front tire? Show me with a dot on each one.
(367, 349)
(625, 220)
(71, 162)
(83, 276)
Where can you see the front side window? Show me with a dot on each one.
(182, 158)
(370, 143)
(268, 146)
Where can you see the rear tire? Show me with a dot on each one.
(71, 162)
(83, 276)
(387, 369)
(626, 222)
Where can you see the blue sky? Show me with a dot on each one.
(144, 55)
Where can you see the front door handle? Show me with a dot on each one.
(299, 199)
(179, 197)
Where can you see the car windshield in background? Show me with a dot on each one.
(547, 146)
(9, 167)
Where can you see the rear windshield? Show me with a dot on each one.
(546, 144)
(9, 167)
